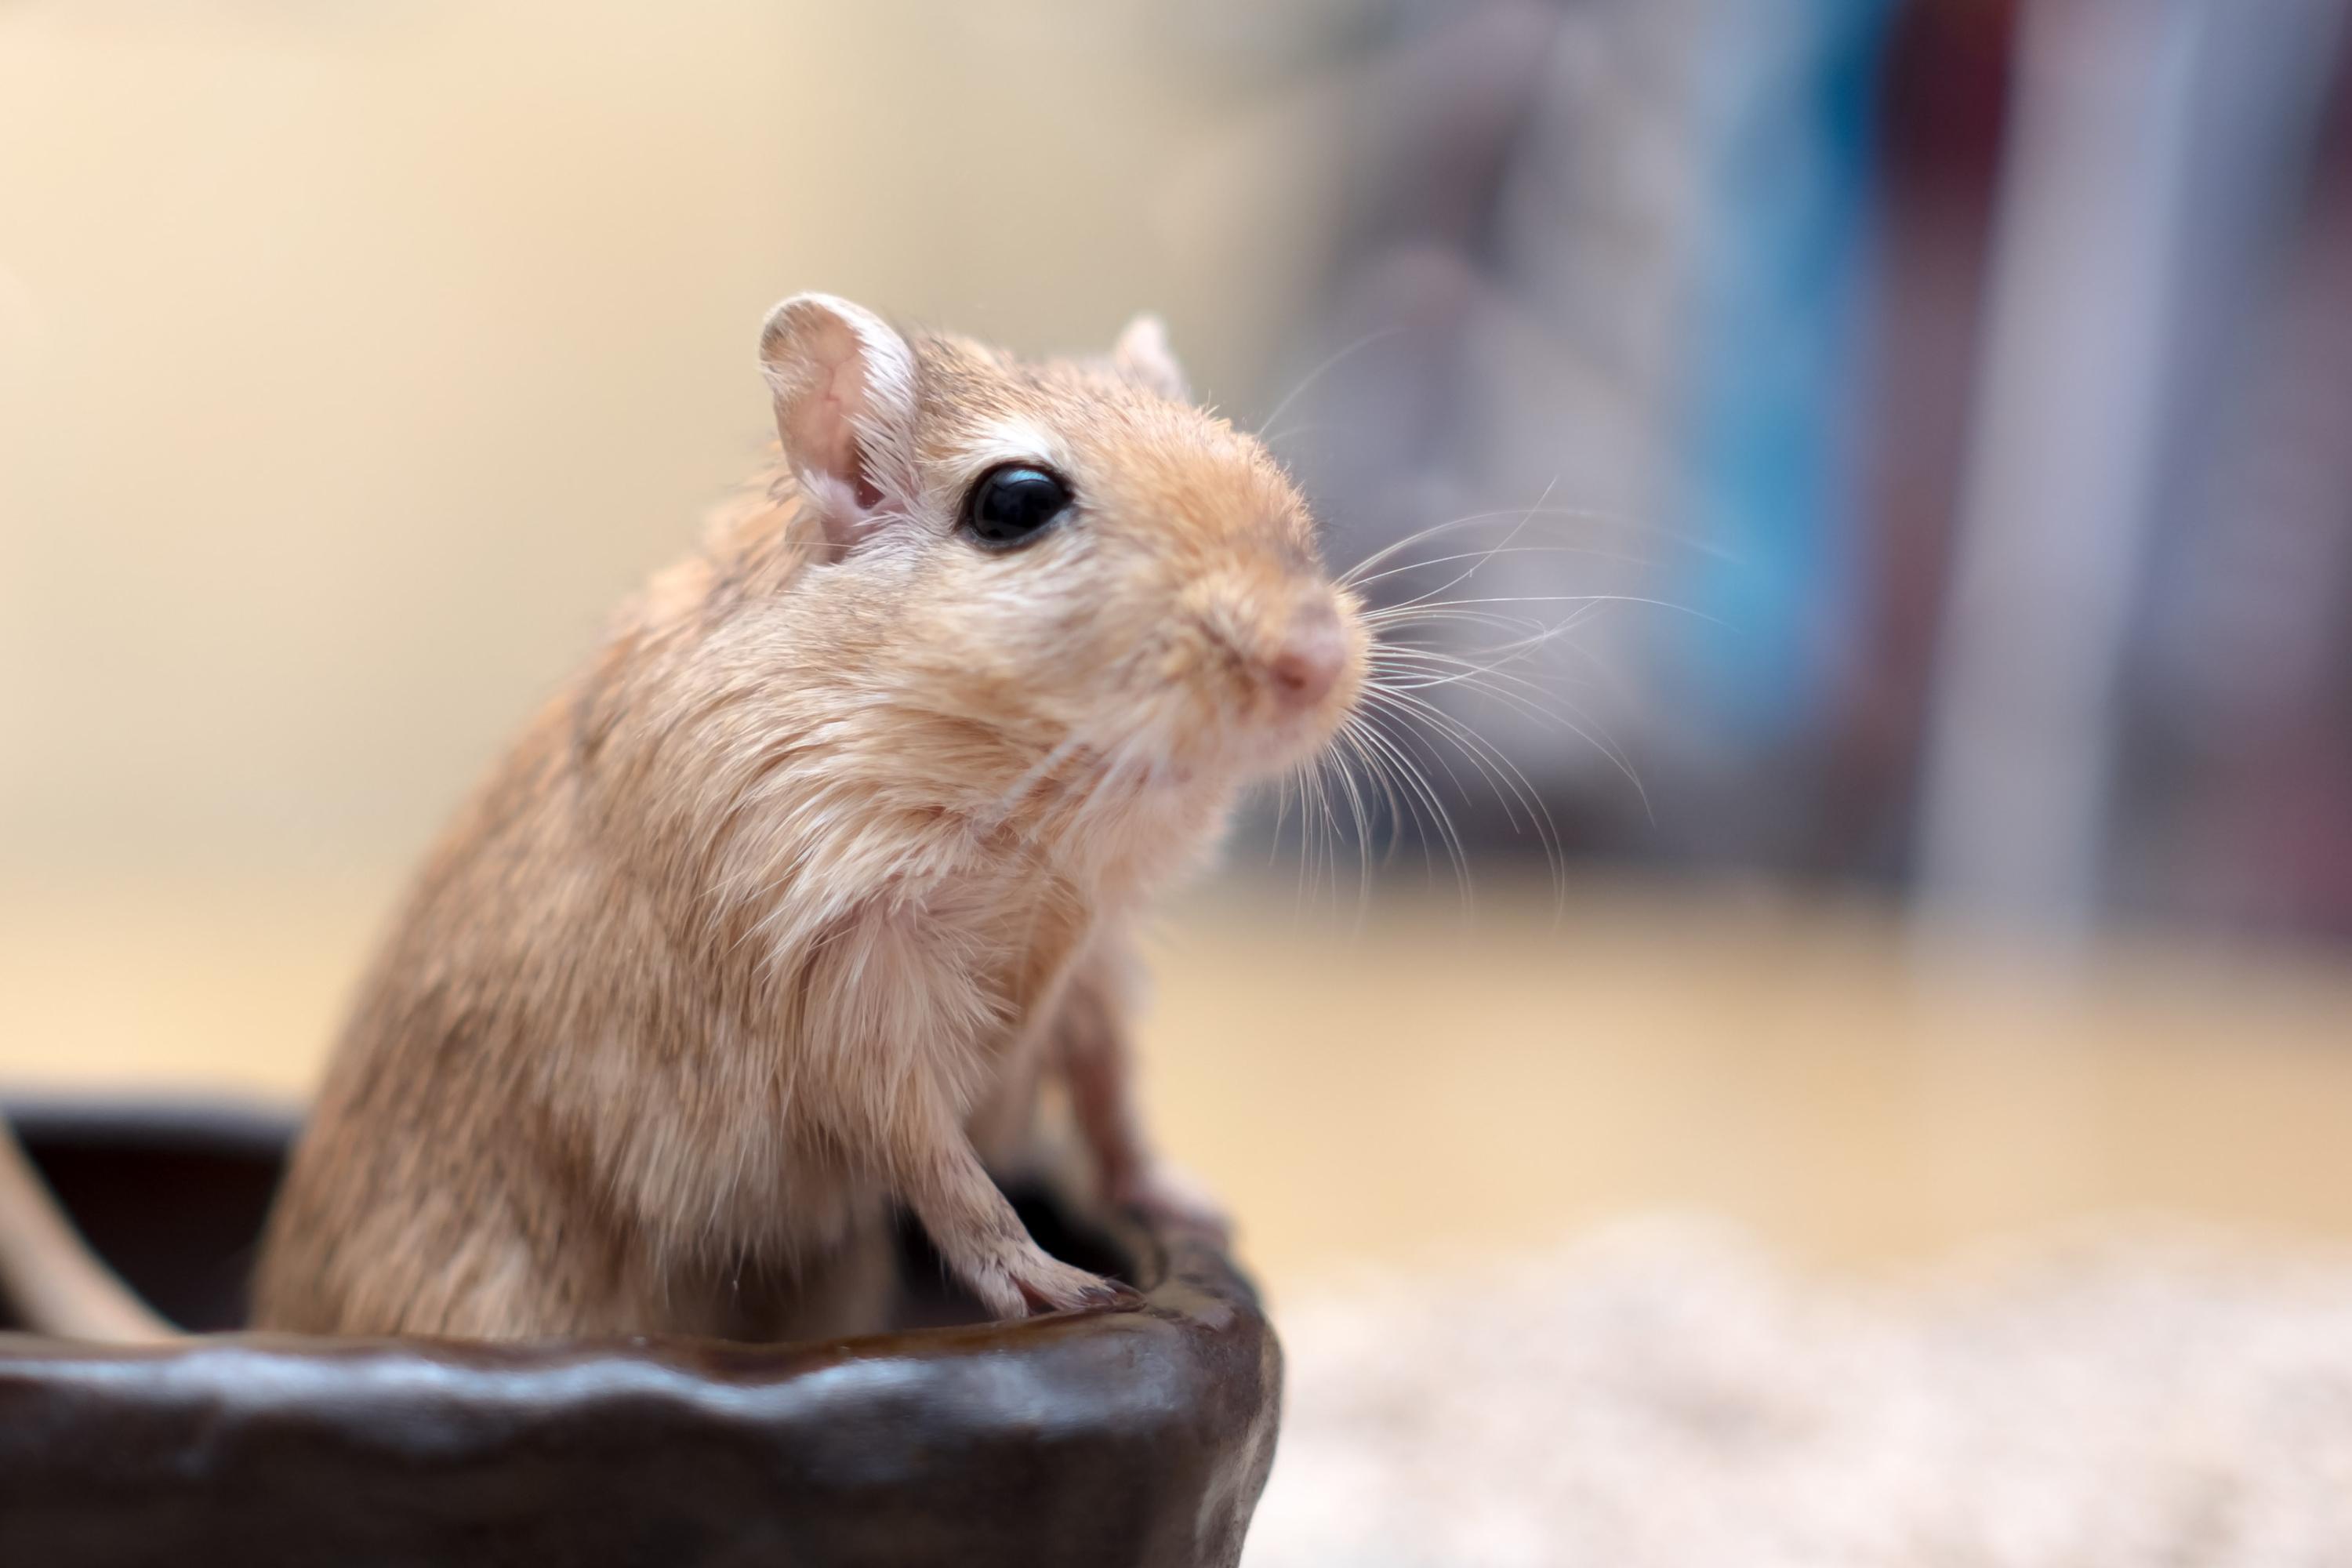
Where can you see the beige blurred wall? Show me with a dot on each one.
(354, 358)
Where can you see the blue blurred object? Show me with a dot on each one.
(1780, 277)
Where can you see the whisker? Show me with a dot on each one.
(1364, 830)
(1311, 795)
(1443, 820)
(1482, 556)
(1517, 528)
(1281, 808)
(1472, 746)
(1590, 606)
(1378, 778)
(1521, 695)
(1517, 626)
(1406, 809)
(1356, 813)
(1477, 558)
(1354, 575)
(1514, 783)
(1289, 434)
(1574, 514)
(1576, 725)
(1328, 841)
(1320, 371)
(1404, 610)
(1447, 769)
(1497, 659)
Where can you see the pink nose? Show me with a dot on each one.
(1308, 664)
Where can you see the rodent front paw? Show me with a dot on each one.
(1031, 1282)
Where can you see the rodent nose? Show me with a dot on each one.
(1308, 664)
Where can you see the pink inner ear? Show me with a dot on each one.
(839, 375)
(822, 427)
(833, 440)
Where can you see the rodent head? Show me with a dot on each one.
(1068, 552)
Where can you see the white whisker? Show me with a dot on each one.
(1472, 746)
(1361, 817)
(1510, 783)
(1406, 610)
(1355, 574)
(1320, 371)
(1416, 781)
(1584, 552)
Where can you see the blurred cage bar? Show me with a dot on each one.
(1930, 419)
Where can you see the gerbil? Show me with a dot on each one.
(779, 910)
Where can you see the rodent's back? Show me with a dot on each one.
(533, 1025)
(426, 1131)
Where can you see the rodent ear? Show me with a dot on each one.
(1142, 354)
(844, 389)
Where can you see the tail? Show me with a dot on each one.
(57, 1285)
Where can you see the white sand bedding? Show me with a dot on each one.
(1666, 1393)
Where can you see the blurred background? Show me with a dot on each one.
(1889, 615)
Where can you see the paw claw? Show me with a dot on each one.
(1057, 1288)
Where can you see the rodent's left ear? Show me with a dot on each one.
(844, 389)
(1142, 354)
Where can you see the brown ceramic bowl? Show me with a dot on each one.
(1135, 1436)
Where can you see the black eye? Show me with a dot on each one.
(1012, 505)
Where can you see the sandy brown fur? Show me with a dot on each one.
(816, 867)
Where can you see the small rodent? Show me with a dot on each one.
(778, 912)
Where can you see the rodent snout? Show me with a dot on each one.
(1313, 651)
